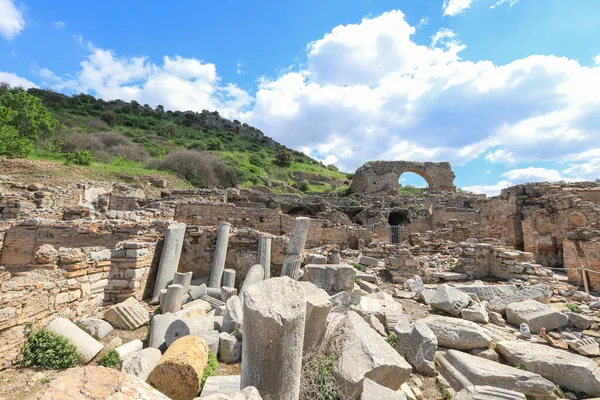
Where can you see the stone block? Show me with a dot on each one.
(331, 278)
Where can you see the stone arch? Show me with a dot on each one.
(382, 176)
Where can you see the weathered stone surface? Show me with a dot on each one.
(417, 343)
(295, 248)
(86, 346)
(212, 340)
(218, 265)
(454, 333)
(496, 318)
(174, 298)
(141, 363)
(158, 328)
(129, 315)
(220, 386)
(230, 349)
(95, 327)
(199, 291)
(273, 331)
(316, 259)
(179, 371)
(365, 354)
(586, 347)
(46, 254)
(191, 326)
(129, 348)
(570, 371)
(374, 391)
(196, 308)
(579, 321)
(488, 292)
(536, 315)
(487, 393)
(370, 261)
(318, 306)
(233, 317)
(476, 312)
(462, 370)
(332, 278)
(264, 253)
(415, 284)
(99, 383)
(376, 325)
(248, 393)
(184, 279)
(448, 299)
(255, 274)
(368, 286)
(169, 259)
(538, 292)
(229, 278)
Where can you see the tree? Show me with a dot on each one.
(284, 158)
(23, 120)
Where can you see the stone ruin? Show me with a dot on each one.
(479, 298)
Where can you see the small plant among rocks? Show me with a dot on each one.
(392, 339)
(358, 266)
(210, 369)
(49, 350)
(446, 395)
(110, 359)
(521, 367)
(573, 307)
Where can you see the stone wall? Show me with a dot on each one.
(582, 249)
(383, 176)
(131, 265)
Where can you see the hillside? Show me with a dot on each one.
(252, 159)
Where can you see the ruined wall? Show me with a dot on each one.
(261, 218)
(582, 249)
(382, 176)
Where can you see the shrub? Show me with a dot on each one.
(332, 167)
(256, 160)
(80, 157)
(392, 339)
(104, 146)
(302, 186)
(358, 266)
(573, 307)
(210, 369)
(12, 144)
(284, 158)
(110, 359)
(214, 144)
(49, 350)
(200, 168)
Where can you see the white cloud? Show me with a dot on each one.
(597, 59)
(500, 2)
(455, 7)
(12, 20)
(15, 80)
(523, 175)
(500, 156)
(59, 24)
(178, 83)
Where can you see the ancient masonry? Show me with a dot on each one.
(494, 297)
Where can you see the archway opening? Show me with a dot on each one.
(412, 183)
(398, 218)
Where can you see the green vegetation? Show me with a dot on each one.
(49, 350)
(521, 367)
(127, 137)
(573, 307)
(325, 382)
(446, 395)
(358, 266)
(210, 369)
(110, 359)
(411, 190)
(392, 339)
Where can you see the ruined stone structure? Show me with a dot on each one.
(383, 176)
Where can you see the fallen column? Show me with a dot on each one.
(158, 329)
(169, 259)
(264, 253)
(141, 363)
(273, 332)
(220, 255)
(86, 346)
(173, 298)
(184, 279)
(293, 254)
(229, 278)
(191, 326)
(129, 348)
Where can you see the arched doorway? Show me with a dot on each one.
(413, 183)
(397, 219)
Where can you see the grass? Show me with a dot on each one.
(358, 266)
(210, 369)
(573, 307)
(392, 339)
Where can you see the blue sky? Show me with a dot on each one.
(506, 90)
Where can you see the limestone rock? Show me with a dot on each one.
(417, 343)
(248, 393)
(454, 333)
(179, 371)
(579, 321)
(476, 312)
(331, 278)
(254, 275)
(365, 354)
(448, 299)
(316, 259)
(488, 354)
(488, 292)
(95, 327)
(129, 348)
(370, 261)
(318, 306)
(274, 316)
(570, 371)
(141, 363)
(158, 329)
(71, 255)
(212, 340)
(586, 347)
(536, 315)
(415, 284)
(230, 349)
(496, 318)
(46, 254)
(221, 385)
(539, 292)
(191, 326)
(129, 315)
(86, 346)
(488, 393)
(233, 315)
(374, 391)
(462, 370)
(99, 383)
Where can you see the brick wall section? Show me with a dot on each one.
(131, 264)
(583, 249)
